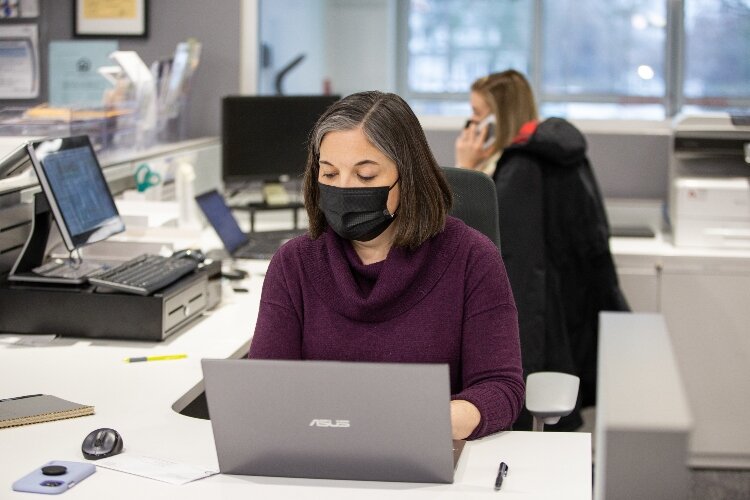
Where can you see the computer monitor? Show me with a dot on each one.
(76, 191)
(265, 138)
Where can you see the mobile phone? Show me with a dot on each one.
(488, 122)
(54, 477)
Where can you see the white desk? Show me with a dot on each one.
(136, 399)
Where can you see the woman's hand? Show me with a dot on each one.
(465, 418)
(470, 150)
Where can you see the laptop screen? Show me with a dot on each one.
(220, 217)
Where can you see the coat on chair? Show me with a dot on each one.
(555, 244)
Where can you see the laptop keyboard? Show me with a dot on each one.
(263, 244)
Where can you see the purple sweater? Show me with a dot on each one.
(448, 301)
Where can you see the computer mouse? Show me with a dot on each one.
(101, 443)
(190, 253)
(233, 273)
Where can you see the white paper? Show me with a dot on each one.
(155, 468)
(19, 61)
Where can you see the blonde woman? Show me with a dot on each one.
(553, 228)
(501, 103)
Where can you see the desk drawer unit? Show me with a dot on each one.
(81, 312)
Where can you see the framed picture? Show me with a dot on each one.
(110, 18)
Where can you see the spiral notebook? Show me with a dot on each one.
(37, 408)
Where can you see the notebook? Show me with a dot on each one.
(37, 408)
(258, 245)
(329, 419)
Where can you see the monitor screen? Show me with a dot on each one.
(265, 137)
(76, 190)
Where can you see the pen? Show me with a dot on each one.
(501, 475)
(155, 358)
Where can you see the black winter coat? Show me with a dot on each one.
(555, 243)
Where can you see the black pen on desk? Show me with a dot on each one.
(501, 475)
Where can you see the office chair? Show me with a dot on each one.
(475, 201)
(549, 395)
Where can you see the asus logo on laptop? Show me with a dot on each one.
(324, 422)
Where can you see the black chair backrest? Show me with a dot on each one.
(475, 201)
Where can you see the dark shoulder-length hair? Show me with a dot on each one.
(391, 126)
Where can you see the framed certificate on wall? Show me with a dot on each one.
(110, 18)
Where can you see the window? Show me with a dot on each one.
(585, 58)
(717, 55)
(611, 49)
(452, 43)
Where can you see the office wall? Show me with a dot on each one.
(215, 24)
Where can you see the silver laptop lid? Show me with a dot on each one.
(327, 419)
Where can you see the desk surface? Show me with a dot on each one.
(137, 399)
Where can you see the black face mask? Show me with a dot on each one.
(356, 213)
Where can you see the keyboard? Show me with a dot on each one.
(145, 274)
(263, 244)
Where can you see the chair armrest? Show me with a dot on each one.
(551, 395)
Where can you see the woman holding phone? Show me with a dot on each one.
(553, 228)
(501, 103)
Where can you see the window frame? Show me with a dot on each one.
(672, 102)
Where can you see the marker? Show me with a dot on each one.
(155, 358)
(501, 475)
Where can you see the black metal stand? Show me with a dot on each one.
(294, 207)
(32, 255)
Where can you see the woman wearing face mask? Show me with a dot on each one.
(553, 227)
(385, 275)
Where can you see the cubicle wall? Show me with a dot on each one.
(643, 421)
(629, 162)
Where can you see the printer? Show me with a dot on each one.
(710, 181)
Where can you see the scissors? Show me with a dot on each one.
(145, 177)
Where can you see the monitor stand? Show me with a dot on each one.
(32, 256)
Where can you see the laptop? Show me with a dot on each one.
(240, 245)
(333, 420)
